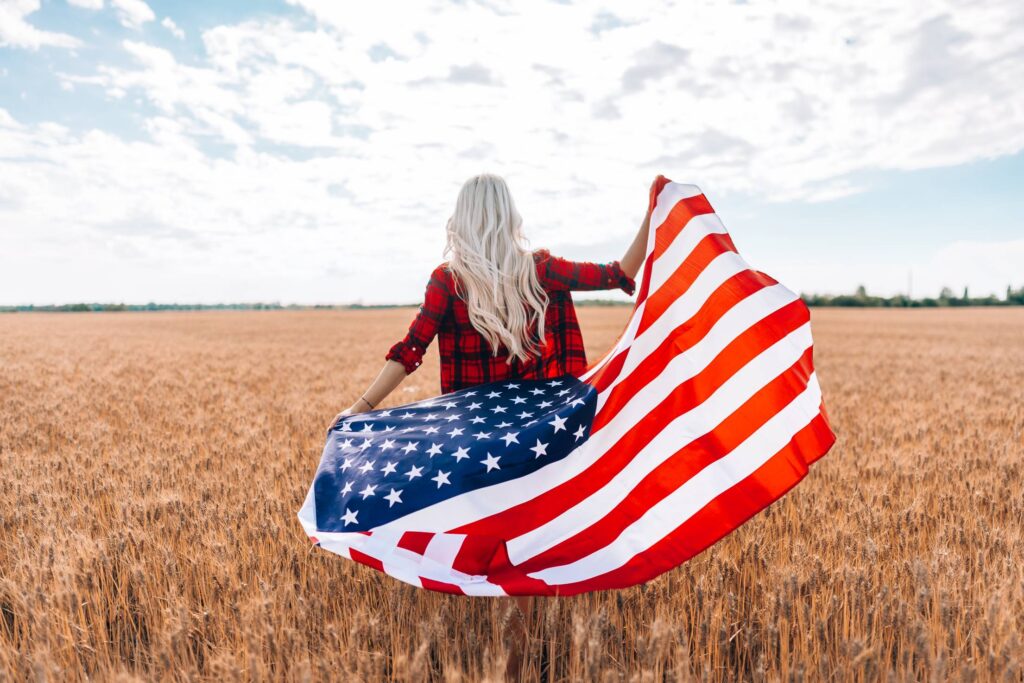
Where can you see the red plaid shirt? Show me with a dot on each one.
(466, 357)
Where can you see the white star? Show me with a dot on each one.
(365, 444)
(367, 427)
(393, 497)
(502, 425)
(498, 409)
(345, 465)
(510, 437)
(441, 478)
(384, 413)
(368, 491)
(540, 449)
(523, 415)
(410, 447)
(482, 435)
(406, 415)
(492, 462)
(430, 417)
(431, 430)
(470, 393)
(346, 427)
(510, 385)
(558, 423)
(347, 488)
(435, 449)
(473, 406)
(456, 431)
(460, 454)
(477, 420)
(449, 405)
(452, 417)
(576, 402)
(536, 392)
(389, 468)
(563, 392)
(347, 443)
(518, 399)
(556, 384)
(544, 404)
(350, 517)
(493, 394)
(388, 443)
(389, 428)
(414, 472)
(367, 466)
(579, 433)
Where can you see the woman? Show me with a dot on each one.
(499, 310)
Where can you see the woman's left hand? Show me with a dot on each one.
(339, 417)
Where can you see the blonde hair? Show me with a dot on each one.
(494, 269)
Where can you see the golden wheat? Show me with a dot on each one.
(153, 465)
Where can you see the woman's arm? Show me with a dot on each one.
(634, 256)
(390, 376)
(407, 354)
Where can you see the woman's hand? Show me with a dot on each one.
(354, 409)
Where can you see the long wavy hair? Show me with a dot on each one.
(493, 268)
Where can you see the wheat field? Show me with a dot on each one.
(153, 464)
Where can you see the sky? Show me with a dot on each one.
(310, 151)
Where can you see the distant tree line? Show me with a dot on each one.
(860, 298)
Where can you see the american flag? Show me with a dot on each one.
(705, 411)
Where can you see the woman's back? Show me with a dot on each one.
(467, 358)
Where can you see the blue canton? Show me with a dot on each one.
(383, 464)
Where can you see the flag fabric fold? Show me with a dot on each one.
(705, 410)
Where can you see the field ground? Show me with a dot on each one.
(152, 466)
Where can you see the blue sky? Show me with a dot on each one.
(310, 151)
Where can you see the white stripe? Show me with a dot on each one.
(469, 507)
(673, 510)
(680, 432)
(666, 200)
(719, 270)
(695, 295)
(682, 246)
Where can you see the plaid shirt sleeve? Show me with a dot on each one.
(584, 275)
(409, 350)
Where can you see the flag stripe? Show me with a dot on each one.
(698, 491)
(638, 453)
(585, 526)
(722, 515)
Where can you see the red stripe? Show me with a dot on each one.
(368, 560)
(416, 541)
(688, 334)
(675, 286)
(519, 519)
(679, 282)
(441, 586)
(680, 467)
(722, 515)
(678, 217)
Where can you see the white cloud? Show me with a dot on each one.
(169, 24)
(133, 13)
(16, 32)
(87, 4)
(312, 148)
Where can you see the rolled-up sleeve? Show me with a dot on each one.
(410, 349)
(584, 275)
